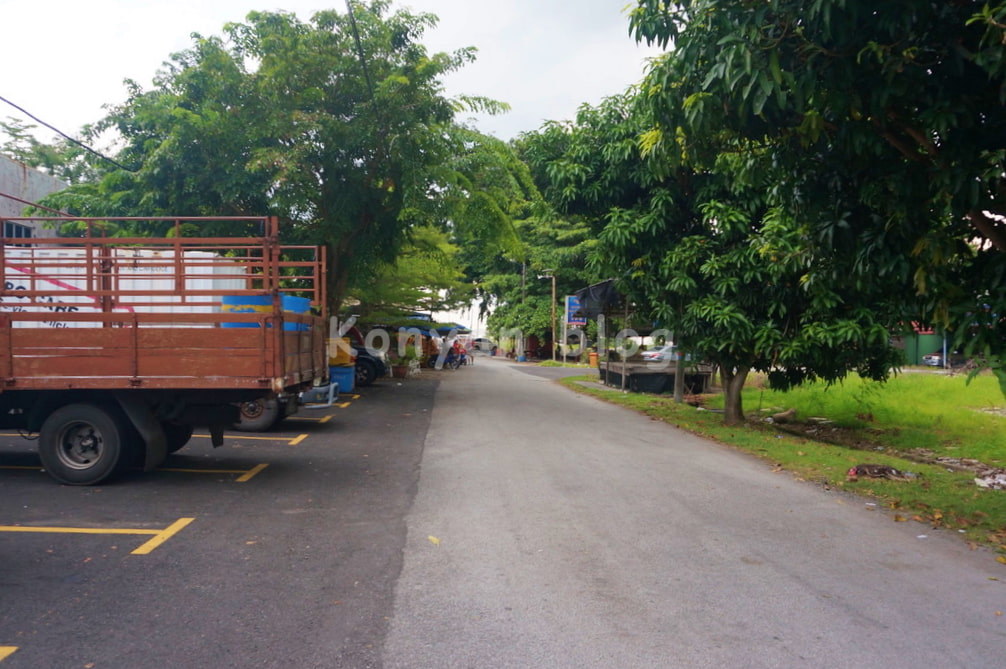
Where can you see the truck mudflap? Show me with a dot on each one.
(143, 419)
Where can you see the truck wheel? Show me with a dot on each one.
(258, 415)
(365, 373)
(177, 435)
(82, 444)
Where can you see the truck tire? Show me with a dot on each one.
(366, 372)
(259, 415)
(176, 435)
(83, 444)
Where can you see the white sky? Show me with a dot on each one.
(64, 59)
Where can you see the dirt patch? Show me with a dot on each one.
(858, 439)
(861, 440)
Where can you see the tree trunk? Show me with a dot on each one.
(338, 278)
(679, 378)
(733, 384)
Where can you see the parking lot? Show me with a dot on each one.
(277, 548)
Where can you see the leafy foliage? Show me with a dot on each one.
(352, 144)
(63, 159)
(886, 121)
(698, 234)
(425, 277)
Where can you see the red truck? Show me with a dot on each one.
(114, 345)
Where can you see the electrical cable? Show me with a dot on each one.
(65, 136)
(359, 50)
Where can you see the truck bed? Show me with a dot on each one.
(103, 312)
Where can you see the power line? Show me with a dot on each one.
(65, 136)
(359, 51)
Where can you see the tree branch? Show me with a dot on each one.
(989, 228)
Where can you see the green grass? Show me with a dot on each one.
(940, 413)
(912, 417)
(559, 363)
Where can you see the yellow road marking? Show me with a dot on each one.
(246, 474)
(6, 651)
(168, 532)
(343, 405)
(159, 536)
(303, 419)
(244, 438)
(251, 472)
(298, 439)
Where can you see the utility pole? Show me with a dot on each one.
(550, 274)
(554, 343)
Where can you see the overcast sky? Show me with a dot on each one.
(64, 59)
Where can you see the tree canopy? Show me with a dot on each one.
(887, 120)
(702, 246)
(338, 125)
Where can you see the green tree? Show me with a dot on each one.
(893, 107)
(337, 126)
(554, 243)
(426, 276)
(700, 245)
(63, 159)
(518, 292)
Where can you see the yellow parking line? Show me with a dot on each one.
(298, 439)
(72, 530)
(305, 419)
(343, 405)
(271, 439)
(160, 536)
(246, 474)
(6, 651)
(243, 437)
(168, 532)
(251, 472)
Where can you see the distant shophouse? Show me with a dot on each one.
(19, 184)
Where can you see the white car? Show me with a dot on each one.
(482, 344)
(666, 353)
(935, 359)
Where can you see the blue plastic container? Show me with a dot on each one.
(245, 304)
(262, 304)
(344, 375)
(297, 305)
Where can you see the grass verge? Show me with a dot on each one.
(932, 425)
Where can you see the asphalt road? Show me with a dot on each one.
(554, 530)
(483, 517)
(292, 568)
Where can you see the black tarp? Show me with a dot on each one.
(600, 298)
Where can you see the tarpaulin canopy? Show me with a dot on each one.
(457, 328)
(598, 298)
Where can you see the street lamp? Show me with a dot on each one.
(550, 274)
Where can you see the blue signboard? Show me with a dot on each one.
(573, 306)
